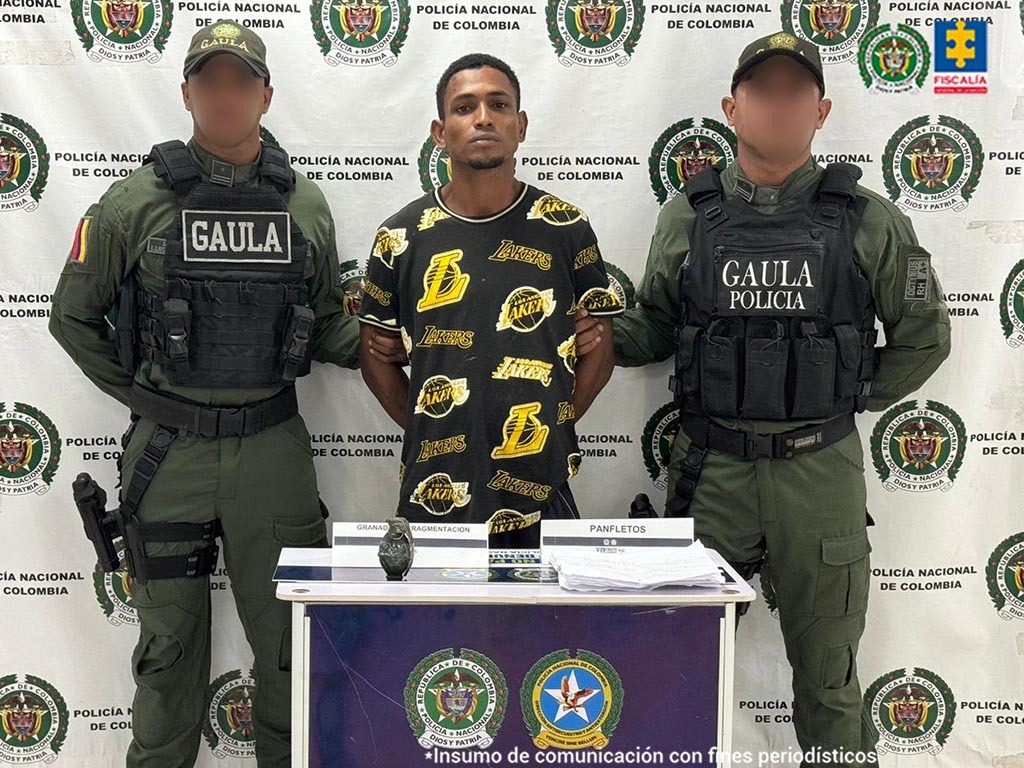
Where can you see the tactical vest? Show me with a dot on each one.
(778, 320)
(234, 310)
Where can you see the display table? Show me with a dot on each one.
(491, 667)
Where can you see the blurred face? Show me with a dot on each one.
(481, 128)
(776, 109)
(226, 99)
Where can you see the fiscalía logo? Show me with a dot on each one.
(555, 211)
(835, 26)
(572, 702)
(24, 164)
(686, 148)
(456, 700)
(658, 438)
(435, 166)
(29, 450)
(918, 449)
(34, 718)
(1011, 306)
(360, 33)
(1005, 576)
(594, 33)
(911, 710)
(525, 308)
(229, 727)
(893, 59)
(112, 30)
(523, 434)
(932, 164)
(961, 56)
(444, 282)
(352, 276)
(439, 494)
(439, 395)
(114, 593)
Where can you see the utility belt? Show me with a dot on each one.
(104, 528)
(706, 435)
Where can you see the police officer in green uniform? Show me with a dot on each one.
(764, 281)
(222, 264)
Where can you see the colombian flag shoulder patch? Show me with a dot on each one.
(80, 246)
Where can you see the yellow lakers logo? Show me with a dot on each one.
(567, 351)
(523, 368)
(508, 520)
(430, 217)
(439, 494)
(573, 461)
(587, 256)
(445, 337)
(566, 412)
(555, 211)
(431, 448)
(406, 341)
(509, 251)
(523, 432)
(439, 396)
(444, 282)
(525, 308)
(603, 300)
(503, 481)
(388, 244)
(377, 293)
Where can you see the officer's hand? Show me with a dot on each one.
(387, 347)
(588, 332)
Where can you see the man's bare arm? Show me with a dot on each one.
(388, 382)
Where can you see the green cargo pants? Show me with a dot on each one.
(806, 519)
(263, 490)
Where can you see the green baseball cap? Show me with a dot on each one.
(226, 36)
(780, 44)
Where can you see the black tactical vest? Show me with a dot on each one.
(779, 322)
(234, 309)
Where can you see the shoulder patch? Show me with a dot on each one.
(83, 234)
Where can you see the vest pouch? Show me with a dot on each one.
(295, 344)
(177, 331)
(720, 369)
(766, 361)
(814, 359)
(687, 373)
(848, 347)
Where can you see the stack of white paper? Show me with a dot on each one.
(638, 568)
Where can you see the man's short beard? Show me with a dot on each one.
(486, 165)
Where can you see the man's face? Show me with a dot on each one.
(481, 128)
(226, 99)
(776, 109)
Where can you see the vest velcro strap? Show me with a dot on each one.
(174, 166)
(276, 169)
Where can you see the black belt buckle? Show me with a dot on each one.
(231, 421)
(759, 446)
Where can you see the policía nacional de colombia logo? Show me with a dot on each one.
(932, 164)
(29, 450)
(893, 59)
(435, 166)
(34, 718)
(912, 711)
(360, 33)
(123, 31)
(835, 26)
(114, 593)
(1011, 306)
(572, 701)
(659, 436)
(918, 449)
(687, 148)
(594, 33)
(620, 284)
(351, 274)
(1004, 573)
(456, 700)
(228, 726)
(24, 164)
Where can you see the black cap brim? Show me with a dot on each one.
(763, 56)
(207, 55)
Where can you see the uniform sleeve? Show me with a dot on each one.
(910, 304)
(591, 287)
(645, 333)
(335, 333)
(380, 289)
(86, 291)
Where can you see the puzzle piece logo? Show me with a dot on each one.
(961, 46)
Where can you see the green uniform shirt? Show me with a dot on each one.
(110, 244)
(916, 331)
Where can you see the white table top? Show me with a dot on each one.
(427, 586)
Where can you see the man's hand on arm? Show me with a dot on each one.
(594, 365)
(383, 373)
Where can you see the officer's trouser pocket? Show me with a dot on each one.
(165, 665)
(843, 576)
(293, 532)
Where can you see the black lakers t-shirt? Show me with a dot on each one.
(486, 310)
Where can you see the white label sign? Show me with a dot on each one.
(438, 545)
(614, 535)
